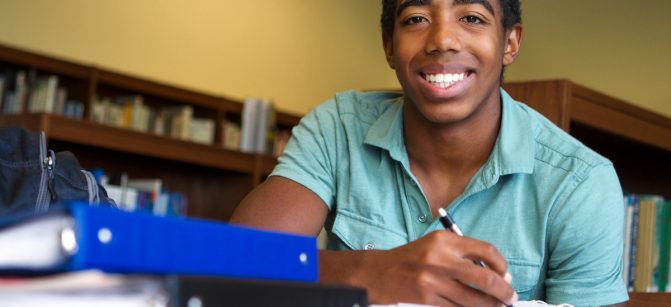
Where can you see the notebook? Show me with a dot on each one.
(518, 304)
(81, 237)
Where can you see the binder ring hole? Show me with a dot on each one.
(104, 235)
(194, 301)
(69, 241)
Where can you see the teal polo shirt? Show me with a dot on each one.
(552, 207)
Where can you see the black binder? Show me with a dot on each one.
(212, 291)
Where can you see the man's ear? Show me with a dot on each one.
(388, 45)
(513, 44)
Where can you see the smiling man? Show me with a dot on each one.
(374, 168)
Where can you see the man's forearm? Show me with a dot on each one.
(342, 266)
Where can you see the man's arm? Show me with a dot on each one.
(281, 204)
(433, 270)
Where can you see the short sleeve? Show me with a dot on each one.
(585, 239)
(310, 155)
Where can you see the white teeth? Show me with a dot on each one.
(445, 80)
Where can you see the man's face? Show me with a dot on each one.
(448, 55)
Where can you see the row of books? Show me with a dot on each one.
(26, 92)
(173, 121)
(146, 195)
(256, 131)
(647, 243)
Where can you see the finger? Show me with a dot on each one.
(484, 280)
(462, 295)
(508, 278)
(464, 247)
(480, 250)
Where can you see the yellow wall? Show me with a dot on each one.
(619, 47)
(297, 52)
(300, 52)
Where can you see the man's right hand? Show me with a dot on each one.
(437, 269)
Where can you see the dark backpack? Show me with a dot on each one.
(33, 178)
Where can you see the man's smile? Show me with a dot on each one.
(444, 80)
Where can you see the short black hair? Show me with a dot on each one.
(512, 15)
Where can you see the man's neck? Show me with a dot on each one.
(448, 150)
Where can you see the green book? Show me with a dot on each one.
(664, 232)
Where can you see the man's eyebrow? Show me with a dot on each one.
(484, 3)
(405, 4)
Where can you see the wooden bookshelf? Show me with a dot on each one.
(636, 140)
(214, 179)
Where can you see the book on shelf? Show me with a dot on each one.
(248, 124)
(74, 109)
(16, 92)
(103, 112)
(20, 92)
(3, 83)
(135, 112)
(148, 190)
(80, 236)
(60, 101)
(43, 95)
(148, 195)
(265, 133)
(631, 231)
(201, 130)
(177, 121)
(258, 126)
(647, 243)
(231, 135)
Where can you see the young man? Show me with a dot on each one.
(374, 168)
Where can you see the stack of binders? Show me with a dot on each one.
(192, 261)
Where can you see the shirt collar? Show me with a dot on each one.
(513, 151)
(387, 131)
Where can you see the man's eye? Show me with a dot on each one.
(415, 20)
(472, 19)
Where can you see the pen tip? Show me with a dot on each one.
(442, 212)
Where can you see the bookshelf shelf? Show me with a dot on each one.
(84, 132)
(214, 179)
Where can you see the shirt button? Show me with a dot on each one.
(369, 246)
(422, 218)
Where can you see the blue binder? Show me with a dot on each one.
(123, 242)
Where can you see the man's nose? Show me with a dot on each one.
(443, 37)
